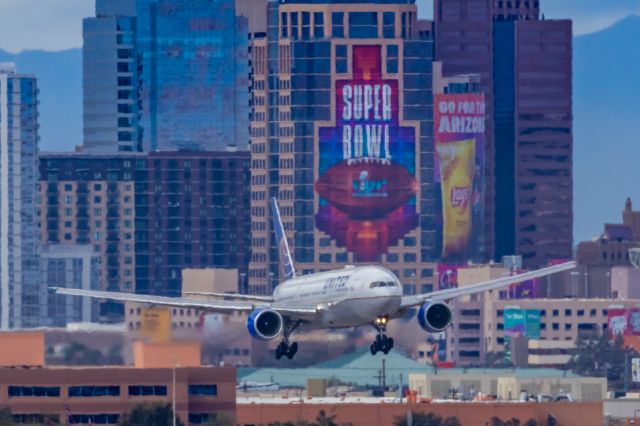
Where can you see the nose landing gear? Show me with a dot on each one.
(382, 343)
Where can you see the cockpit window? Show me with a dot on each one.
(391, 284)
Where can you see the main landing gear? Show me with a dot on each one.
(285, 348)
(382, 343)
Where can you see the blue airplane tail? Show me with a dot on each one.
(286, 262)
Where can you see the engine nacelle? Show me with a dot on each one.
(265, 324)
(435, 317)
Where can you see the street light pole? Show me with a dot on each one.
(173, 388)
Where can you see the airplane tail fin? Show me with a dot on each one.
(286, 262)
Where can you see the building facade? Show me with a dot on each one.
(21, 292)
(89, 200)
(70, 266)
(110, 76)
(191, 211)
(525, 66)
(341, 95)
(148, 216)
(101, 395)
(165, 75)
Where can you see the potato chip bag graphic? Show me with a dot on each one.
(457, 163)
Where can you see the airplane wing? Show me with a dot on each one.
(450, 293)
(229, 296)
(220, 306)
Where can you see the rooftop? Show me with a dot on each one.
(362, 369)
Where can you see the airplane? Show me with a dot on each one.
(343, 298)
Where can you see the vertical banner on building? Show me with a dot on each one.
(635, 369)
(367, 178)
(459, 174)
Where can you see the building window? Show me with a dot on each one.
(556, 312)
(337, 24)
(34, 391)
(392, 58)
(142, 390)
(363, 25)
(67, 187)
(203, 390)
(568, 312)
(93, 391)
(341, 58)
(95, 419)
(567, 327)
(556, 326)
(388, 22)
(318, 25)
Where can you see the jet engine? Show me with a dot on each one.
(435, 317)
(265, 324)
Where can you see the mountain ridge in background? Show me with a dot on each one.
(606, 97)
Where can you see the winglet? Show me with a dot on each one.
(286, 263)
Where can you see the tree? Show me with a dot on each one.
(530, 422)
(149, 414)
(497, 360)
(599, 356)
(6, 418)
(219, 420)
(427, 419)
(324, 420)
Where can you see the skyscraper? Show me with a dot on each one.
(110, 76)
(525, 67)
(165, 75)
(342, 96)
(21, 293)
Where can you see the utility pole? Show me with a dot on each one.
(384, 375)
(626, 371)
(173, 393)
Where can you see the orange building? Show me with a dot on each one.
(384, 414)
(22, 348)
(99, 395)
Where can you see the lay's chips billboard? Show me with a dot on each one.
(459, 121)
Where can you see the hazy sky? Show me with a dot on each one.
(57, 24)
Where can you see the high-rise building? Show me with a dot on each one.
(110, 76)
(21, 292)
(192, 211)
(89, 199)
(148, 216)
(193, 82)
(342, 135)
(525, 65)
(165, 74)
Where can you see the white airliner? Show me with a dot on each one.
(349, 297)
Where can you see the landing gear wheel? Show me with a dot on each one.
(293, 349)
(387, 345)
(281, 350)
(373, 348)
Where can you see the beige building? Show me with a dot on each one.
(478, 324)
(507, 384)
(89, 200)
(224, 338)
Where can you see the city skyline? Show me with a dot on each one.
(22, 29)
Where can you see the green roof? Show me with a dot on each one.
(361, 368)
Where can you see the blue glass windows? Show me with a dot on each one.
(318, 25)
(93, 391)
(337, 24)
(147, 390)
(388, 24)
(203, 390)
(363, 25)
(34, 391)
(392, 58)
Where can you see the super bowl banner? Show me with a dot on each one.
(459, 144)
(367, 182)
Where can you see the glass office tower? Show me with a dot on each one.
(193, 82)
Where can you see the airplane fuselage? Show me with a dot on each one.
(346, 297)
